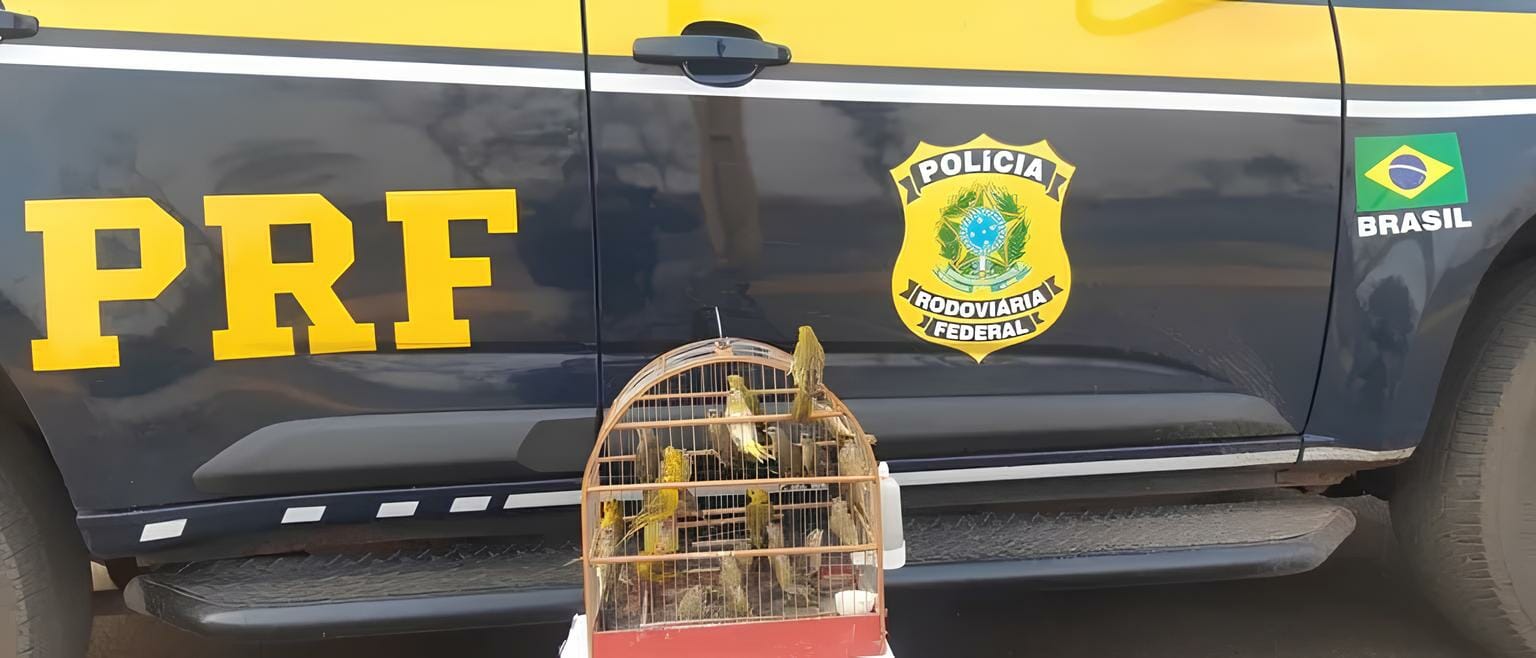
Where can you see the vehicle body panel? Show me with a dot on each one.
(1400, 300)
(132, 435)
(1204, 331)
(1200, 239)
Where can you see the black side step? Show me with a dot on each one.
(480, 585)
(347, 595)
(1132, 546)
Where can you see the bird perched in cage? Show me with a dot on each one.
(606, 544)
(812, 561)
(793, 465)
(806, 369)
(783, 568)
(739, 383)
(808, 457)
(647, 455)
(724, 447)
(691, 603)
(840, 522)
(733, 592)
(854, 460)
(835, 425)
(660, 538)
(784, 573)
(720, 442)
(770, 439)
(744, 435)
(661, 504)
(759, 512)
(775, 535)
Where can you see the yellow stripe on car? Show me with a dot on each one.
(1209, 39)
(1431, 48)
(1175, 38)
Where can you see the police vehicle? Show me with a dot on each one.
(308, 309)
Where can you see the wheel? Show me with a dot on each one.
(1464, 509)
(45, 612)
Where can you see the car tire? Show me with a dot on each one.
(45, 611)
(1462, 506)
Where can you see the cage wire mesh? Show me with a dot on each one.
(687, 523)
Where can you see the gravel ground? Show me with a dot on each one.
(1357, 605)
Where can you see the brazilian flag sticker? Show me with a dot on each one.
(1408, 171)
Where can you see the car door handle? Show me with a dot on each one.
(689, 48)
(16, 26)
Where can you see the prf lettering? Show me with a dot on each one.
(74, 287)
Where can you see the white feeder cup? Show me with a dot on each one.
(893, 540)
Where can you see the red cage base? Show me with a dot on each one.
(849, 636)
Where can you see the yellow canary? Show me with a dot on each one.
(806, 369)
(840, 522)
(647, 454)
(744, 435)
(606, 544)
(660, 539)
(662, 504)
(737, 383)
(734, 593)
(691, 603)
(759, 512)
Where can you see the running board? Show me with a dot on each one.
(311, 597)
(484, 585)
(1129, 546)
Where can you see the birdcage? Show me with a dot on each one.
(772, 543)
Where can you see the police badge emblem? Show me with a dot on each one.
(982, 265)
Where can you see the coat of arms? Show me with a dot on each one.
(982, 265)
